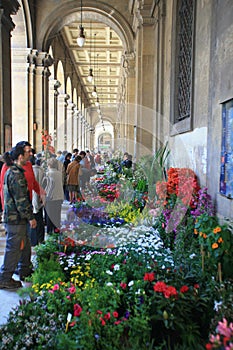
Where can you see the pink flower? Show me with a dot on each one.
(56, 287)
(72, 290)
(224, 329)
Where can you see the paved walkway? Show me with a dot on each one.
(10, 299)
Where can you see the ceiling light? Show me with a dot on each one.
(94, 92)
(81, 36)
(90, 76)
(97, 103)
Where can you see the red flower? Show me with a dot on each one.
(149, 276)
(115, 314)
(196, 286)
(160, 287)
(117, 322)
(77, 310)
(107, 316)
(170, 291)
(102, 321)
(99, 312)
(184, 289)
(209, 346)
(123, 285)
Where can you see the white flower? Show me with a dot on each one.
(138, 292)
(109, 284)
(217, 304)
(88, 257)
(131, 283)
(109, 272)
(116, 267)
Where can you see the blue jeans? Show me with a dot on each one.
(17, 252)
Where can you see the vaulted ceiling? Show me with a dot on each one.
(102, 52)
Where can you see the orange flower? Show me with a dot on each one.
(204, 235)
(195, 231)
(220, 240)
(217, 229)
(214, 245)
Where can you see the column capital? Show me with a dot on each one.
(8, 8)
(143, 12)
(38, 58)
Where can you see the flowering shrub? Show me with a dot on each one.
(182, 183)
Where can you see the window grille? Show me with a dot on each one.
(184, 59)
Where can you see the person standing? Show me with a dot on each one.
(37, 234)
(65, 165)
(17, 213)
(54, 202)
(29, 174)
(72, 180)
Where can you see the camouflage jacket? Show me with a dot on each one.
(17, 206)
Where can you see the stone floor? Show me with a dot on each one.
(10, 299)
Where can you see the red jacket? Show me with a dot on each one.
(30, 177)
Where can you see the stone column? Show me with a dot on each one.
(57, 84)
(7, 8)
(32, 125)
(128, 100)
(75, 128)
(61, 122)
(41, 95)
(143, 26)
(38, 99)
(20, 92)
(69, 126)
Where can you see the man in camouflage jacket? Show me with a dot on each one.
(17, 213)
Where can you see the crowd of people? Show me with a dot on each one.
(32, 190)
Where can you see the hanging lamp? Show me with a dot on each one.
(90, 75)
(81, 36)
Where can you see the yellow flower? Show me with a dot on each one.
(195, 231)
(214, 245)
(201, 233)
